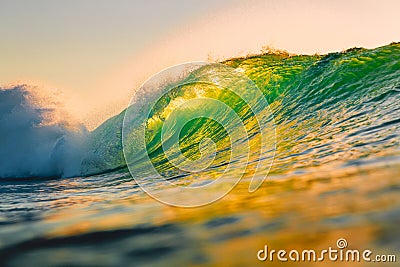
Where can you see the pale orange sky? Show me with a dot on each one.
(221, 31)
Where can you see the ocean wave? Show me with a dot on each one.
(330, 110)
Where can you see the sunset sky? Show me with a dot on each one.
(96, 52)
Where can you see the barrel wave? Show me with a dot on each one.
(332, 110)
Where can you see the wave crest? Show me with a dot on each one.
(36, 139)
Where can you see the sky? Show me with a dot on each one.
(97, 52)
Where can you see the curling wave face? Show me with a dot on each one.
(331, 111)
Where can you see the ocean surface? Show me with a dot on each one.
(68, 198)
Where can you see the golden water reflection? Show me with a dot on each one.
(301, 212)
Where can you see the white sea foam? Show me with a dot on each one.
(36, 138)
